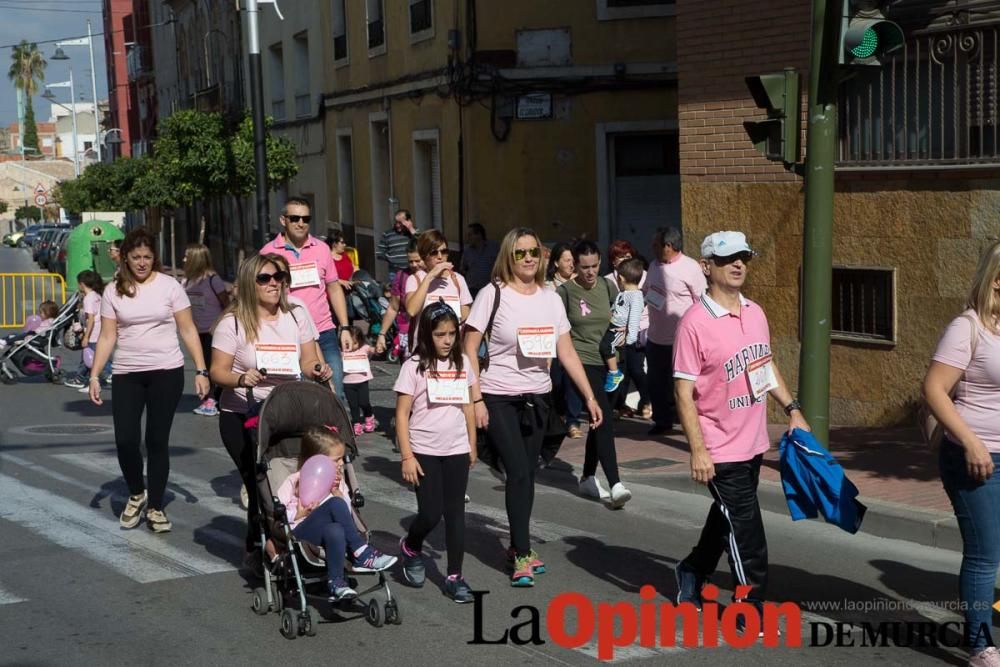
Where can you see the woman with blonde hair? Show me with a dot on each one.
(260, 341)
(525, 326)
(209, 295)
(142, 312)
(962, 390)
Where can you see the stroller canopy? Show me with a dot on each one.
(293, 407)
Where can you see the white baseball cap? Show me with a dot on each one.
(725, 244)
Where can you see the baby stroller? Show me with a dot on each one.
(30, 353)
(298, 576)
(367, 300)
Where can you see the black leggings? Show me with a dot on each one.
(158, 393)
(515, 432)
(601, 440)
(441, 492)
(206, 349)
(237, 442)
(359, 400)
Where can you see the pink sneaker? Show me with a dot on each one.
(357, 429)
(369, 424)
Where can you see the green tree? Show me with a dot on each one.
(32, 213)
(27, 71)
(281, 159)
(191, 155)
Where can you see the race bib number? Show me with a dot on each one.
(356, 362)
(197, 299)
(451, 387)
(537, 342)
(656, 298)
(304, 275)
(453, 302)
(760, 373)
(278, 359)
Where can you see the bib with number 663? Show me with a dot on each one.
(278, 359)
(760, 374)
(449, 387)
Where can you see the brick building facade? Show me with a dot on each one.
(916, 183)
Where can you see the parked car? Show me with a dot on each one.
(57, 253)
(30, 234)
(43, 244)
(13, 239)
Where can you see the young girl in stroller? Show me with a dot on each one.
(330, 523)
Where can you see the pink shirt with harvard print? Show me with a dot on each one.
(713, 348)
(314, 296)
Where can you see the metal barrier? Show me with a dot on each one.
(20, 294)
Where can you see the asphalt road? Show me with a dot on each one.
(77, 590)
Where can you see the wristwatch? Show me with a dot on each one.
(202, 372)
(794, 405)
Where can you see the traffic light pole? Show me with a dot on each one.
(817, 252)
(257, 114)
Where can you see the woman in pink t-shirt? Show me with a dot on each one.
(209, 295)
(436, 433)
(440, 282)
(962, 389)
(141, 314)
(525, 330)
(261, 341)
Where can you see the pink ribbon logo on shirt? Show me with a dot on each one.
(584, 308)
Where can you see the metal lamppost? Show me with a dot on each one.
(72, 110)
(87, 41)
(111, 139)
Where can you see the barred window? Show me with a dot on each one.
(864, 304)
(934, 103)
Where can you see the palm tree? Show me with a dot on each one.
(27, 70)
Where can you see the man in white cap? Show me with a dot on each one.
(723, 372)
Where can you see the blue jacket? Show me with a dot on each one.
(814, 483)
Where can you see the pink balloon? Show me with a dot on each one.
(32, 322)
(316, 479)
(88, 357)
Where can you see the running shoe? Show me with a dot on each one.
(612, 380)
(988, 657)
(689, 584)
(592, 488)
(77, 382)
(413, 565)
(456, 588)
(373, 560)
(370, 424)
(619, 496)
(132, 513)
(208, 408)
(574, 432)
(158, 521)
(358, 429)
(523, 576)
(537, 566)
(340, 590)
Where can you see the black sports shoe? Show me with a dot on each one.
(688, 585)
(458, 590)
(413, 565)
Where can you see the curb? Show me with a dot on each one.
(883, 519)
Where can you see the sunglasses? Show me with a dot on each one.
(304, 219)
(265, 278)
(744, 257)
(521, 253)
(440, 252)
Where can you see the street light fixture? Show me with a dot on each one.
(87, 41)
(72, 110)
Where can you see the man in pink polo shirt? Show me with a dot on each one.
(674, 283)
(723, 372)
(314, 280)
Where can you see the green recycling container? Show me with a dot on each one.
(88, 248)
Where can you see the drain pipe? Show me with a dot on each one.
(393, 202)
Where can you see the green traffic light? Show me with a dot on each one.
(868, 45)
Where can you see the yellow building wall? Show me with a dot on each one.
(931, 234)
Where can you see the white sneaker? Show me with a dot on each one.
(592, 487)
(619, 496)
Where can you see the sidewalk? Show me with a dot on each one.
(895, 472)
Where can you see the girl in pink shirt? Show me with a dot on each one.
(397, 309)
(91, 286)
(440, 282)
(141, 313)
(436, 434)
(357, 373)
(209, 296)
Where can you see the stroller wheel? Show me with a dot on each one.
(259, 602)
(309, 621)
(54, 378)
(392, 616)
(8, 379)
(289, 624)
(374, 613)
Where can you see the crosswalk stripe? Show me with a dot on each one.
(138, 554)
